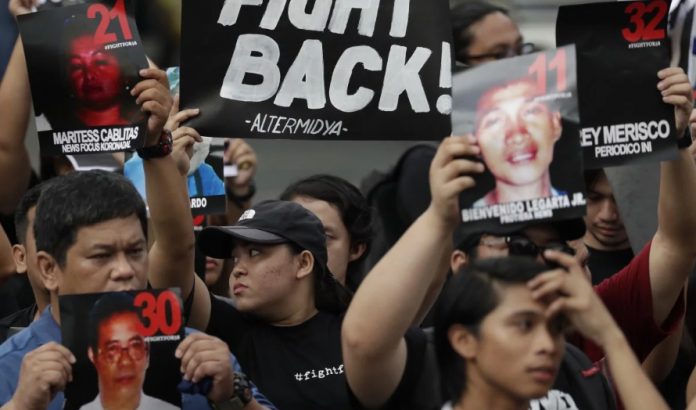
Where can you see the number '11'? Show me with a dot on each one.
(540, 69)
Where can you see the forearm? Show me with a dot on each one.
(15, 98)
(676, 211)
(172, 224)
(632, 385)
(392, 293)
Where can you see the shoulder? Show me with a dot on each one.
(149, 402)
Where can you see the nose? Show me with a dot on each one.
(515, 130)
(239, 269)
(546, 341)
(608, 210)
(123, 269)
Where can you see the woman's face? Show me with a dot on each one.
(263, 276)
(213, 270)
(518, 350)
(95, 75)
(516, 134)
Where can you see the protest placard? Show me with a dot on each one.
(204, 181)
(124, 343)
(523, 113)
(82, 61)
(620, 48)
(327, 69)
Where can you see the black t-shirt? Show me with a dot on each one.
(300, 367)
(604, 264)
(18, 320)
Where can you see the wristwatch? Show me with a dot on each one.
(242, 394)
(685, 140)
(159, 150)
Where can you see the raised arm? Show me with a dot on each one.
(15, 100)
(388, 300)
(575, 298)
(673, 251)
(176, 230)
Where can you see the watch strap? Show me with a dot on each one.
(163, 147)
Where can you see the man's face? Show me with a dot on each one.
(493, 37)
(516, 134)
(518, 349)
(121, 359)
(108, 256)
(605, 230)
(95, 74)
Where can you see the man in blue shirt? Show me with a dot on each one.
(90, 230)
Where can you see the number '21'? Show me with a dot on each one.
(557, 63)
(118, 12)
(641, 31)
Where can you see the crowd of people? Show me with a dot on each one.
(326, 298)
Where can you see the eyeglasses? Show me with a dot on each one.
(136, 351)
(521, 245)
(517, 50)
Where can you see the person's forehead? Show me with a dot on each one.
(122, 321)
(494, 30)
(542, 234)
(601, 185)
(84, 43)
(516, 299)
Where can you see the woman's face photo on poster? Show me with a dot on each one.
(83, 61)
(523, 114)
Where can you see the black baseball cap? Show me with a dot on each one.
(467, 236)
(276, 222)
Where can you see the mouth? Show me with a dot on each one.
(543, 374)
(210, 264)
(522, 156)
(239, 288)
(125, 379)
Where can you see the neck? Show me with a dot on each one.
(55, 307)
(295, 317)
(505, 192)
(594, 243)
(103, 117)
(479, 394)
(118, 401)
(42, 299)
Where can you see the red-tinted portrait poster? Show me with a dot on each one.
(83, 60)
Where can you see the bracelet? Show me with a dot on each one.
(239, 200)
(685, 141)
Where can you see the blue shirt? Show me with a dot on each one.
(45, 330)
(211, 184)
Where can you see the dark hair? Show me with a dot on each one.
(467, 299)
(329, 295)
(592, 176)
(111, 304)
(81, 199)
(28, 201)
(352, 206)
(464, 16)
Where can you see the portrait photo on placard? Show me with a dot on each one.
(523, 115)
(83, 60)
(124, 343)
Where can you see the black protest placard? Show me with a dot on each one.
(523, 115)
(124, 343)
(326, 69)
(83, 60)
(620, 46)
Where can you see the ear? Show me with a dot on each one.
(49, 270)
(463, 341)
(458, 260)
(557, 128)
(20, 258)
(90, 354)
(356, 251)
(306, 264)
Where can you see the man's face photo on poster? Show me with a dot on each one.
(118, 351)
(522, 112)
(516, 134)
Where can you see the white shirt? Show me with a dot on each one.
(146, 403)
